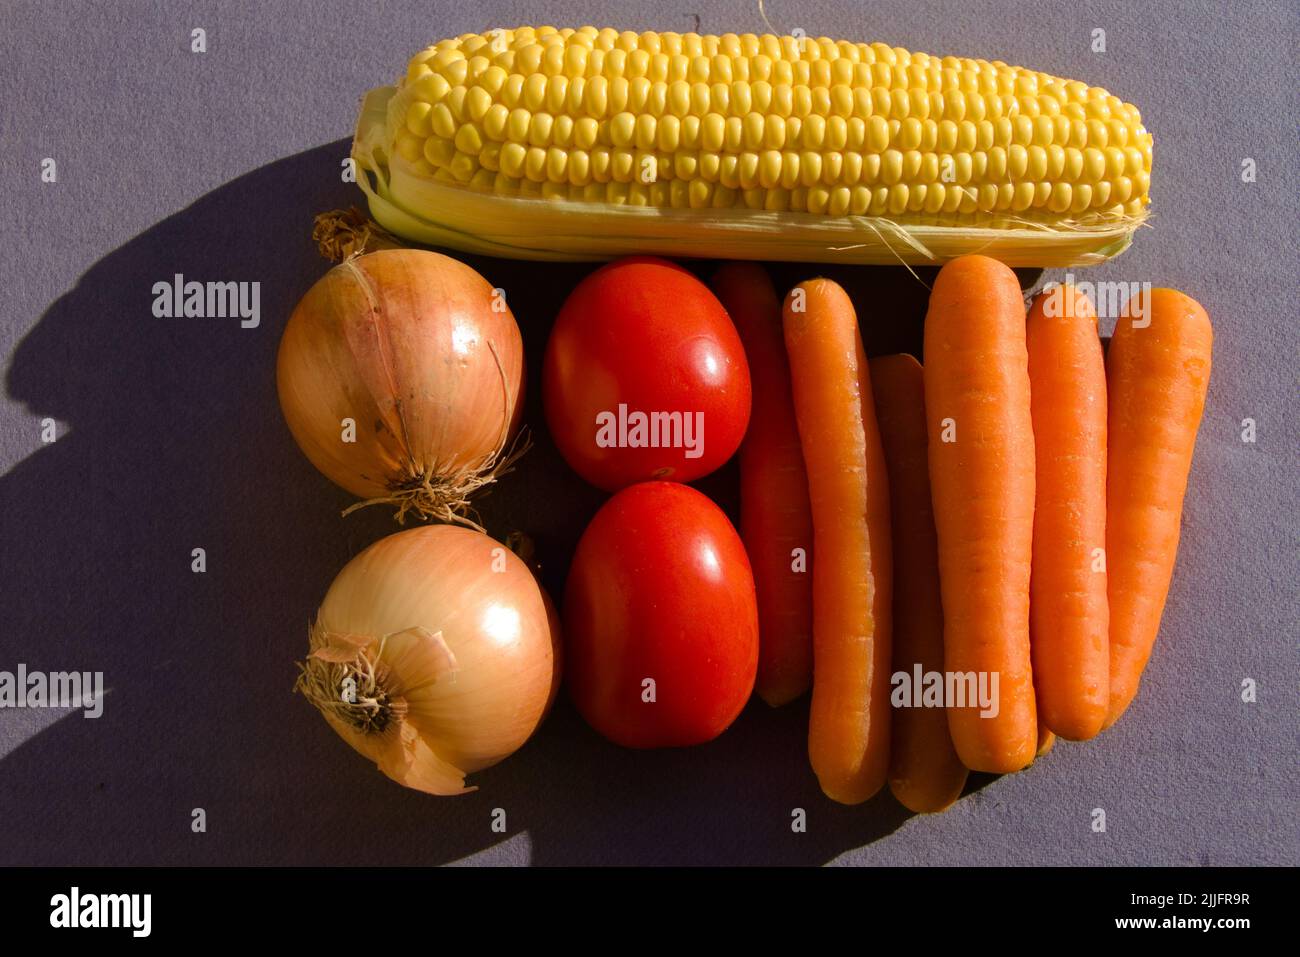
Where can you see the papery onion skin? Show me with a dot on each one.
(486, 607)
(422, 354)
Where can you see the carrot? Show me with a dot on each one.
(982, 482)
(1158, 372)
(775, 515)
(925, 773)
(1067, 587)
(848, 730)
(1045, 741)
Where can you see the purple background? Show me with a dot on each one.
(170, 437)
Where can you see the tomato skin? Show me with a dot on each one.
(660, 587)
(646, 333)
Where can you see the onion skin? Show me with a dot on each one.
(495, 622)
(557, 647)
(406, 343)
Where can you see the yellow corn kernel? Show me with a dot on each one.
(810, 167)
(733, 136)
(469, 139)
(877, 134)
(728, 174)
(410, 148)
(535, 164)
(643, 135)
(438, 152)
(708, 165)
(463, 167)
(622, 165)
(490, 157)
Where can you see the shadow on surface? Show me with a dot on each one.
(174, 441)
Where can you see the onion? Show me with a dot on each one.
(399, 375)
(435, 654)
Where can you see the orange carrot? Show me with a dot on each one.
(1045, 741)
(925, 773)
(848, 731)
(982, 482)
(1158, 372)
(1067, 587)
(775, 515)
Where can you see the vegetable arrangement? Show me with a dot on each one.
(962, 560)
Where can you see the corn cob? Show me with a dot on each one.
(541, 143)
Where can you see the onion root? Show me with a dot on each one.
(343, 234)
(445, 498)
(323, 679)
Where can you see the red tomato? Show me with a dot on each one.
(660, 589)
(645, 376)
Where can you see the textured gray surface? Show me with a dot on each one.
(170, 438)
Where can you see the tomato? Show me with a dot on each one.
(660, 591)
(644, 376)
